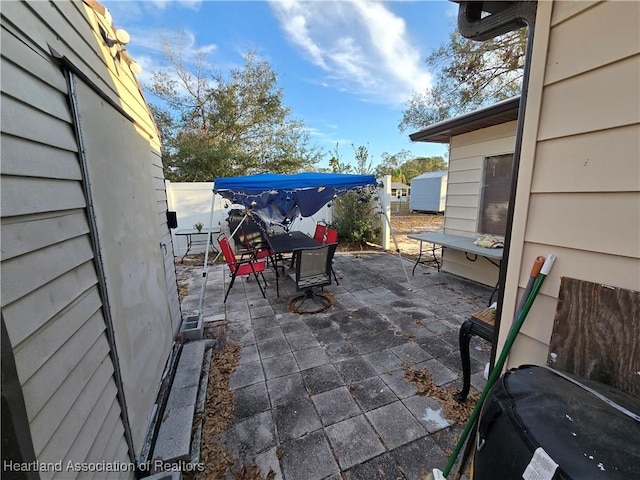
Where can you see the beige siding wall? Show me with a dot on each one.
(463, 194)
(579, 184)
(50, 299)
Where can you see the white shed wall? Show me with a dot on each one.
(428, 193)
(51, 303)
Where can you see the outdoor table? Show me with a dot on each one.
(287, 243)
(456, 242)
(190, 233)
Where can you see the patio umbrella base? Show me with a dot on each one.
(310, 302)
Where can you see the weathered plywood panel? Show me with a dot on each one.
(602, 222)
(20, 120)
(25, 315)
(577, 34)
(596, 334)
(613, 94)
(20, 236)
(26, 158)
(605, 161)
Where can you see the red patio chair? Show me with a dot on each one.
(240, 267)
(331, 238)
(321, 230)
(332, 235)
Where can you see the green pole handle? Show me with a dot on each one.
(497, 369)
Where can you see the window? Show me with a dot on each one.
(494, 198)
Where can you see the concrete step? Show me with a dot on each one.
(174, 438)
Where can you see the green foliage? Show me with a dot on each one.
(403, 170)
(215, 125)
(363, 164)
(355, 217)
(470, 75)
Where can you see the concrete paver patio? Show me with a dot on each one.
(323, 396)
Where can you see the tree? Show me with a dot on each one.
(364, 166)
(470, 75)
(215, 125)
(403, 170)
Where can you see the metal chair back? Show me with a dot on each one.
(313, 267)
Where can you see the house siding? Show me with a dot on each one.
(51, 302)
(579, 185)
(464, 188)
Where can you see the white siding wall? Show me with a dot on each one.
(464, 188)
(50, 300)
(579, 182)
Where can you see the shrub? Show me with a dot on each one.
(355, 216)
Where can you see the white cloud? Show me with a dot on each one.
(163, 4)
(361, 46)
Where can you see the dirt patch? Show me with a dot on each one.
(409, 223)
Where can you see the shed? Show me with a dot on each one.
(89, 295)
(429, 192)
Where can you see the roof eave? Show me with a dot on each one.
(441, 132)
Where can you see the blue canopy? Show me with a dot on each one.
(281, 198)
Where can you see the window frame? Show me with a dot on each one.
(481, 228)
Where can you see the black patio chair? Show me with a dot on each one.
(312, 270)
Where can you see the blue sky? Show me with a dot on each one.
(346, 67)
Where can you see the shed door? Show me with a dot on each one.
(120, 169)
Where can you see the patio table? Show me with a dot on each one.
(287, 243)
(200, 238)
(456, 242)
